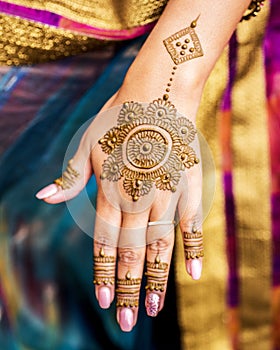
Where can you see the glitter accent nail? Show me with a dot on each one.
(152, 304)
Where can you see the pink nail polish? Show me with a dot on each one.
(188, 267)
(104, 297)
(126, 319)
(47, 191)
(196, 268)
(152, 304)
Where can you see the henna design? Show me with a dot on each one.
(68, 178)
(104, 269)
(184, 45)
(152, 148)
(193, 244)
(128, 291)
(253, 9)
(156, 275)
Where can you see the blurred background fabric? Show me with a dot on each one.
(57, 71)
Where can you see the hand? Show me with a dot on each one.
(125, 209)
(136, 223)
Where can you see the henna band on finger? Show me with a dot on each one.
(68, 178)
(193, 244)
(127, 291)
(104, 269)
(156, 275)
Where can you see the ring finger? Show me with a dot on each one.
(159, 253)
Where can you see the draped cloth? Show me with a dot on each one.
(46, 295)
(236, 303)
(40, 31)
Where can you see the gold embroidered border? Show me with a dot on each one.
(106, 14)
(26, 42)
(202, 304)
(251, 179)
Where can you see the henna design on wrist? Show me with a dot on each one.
(184, 45)
(152, 145)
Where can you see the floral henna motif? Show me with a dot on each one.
(152, 145)
(148, 146)
(129, 112)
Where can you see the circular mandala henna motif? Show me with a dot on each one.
(146, 149)
(144, 153)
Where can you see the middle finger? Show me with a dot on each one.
(131, 256)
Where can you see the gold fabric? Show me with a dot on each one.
(276, 318)
(106, 14)
(26, 42)
(251, 182)
(202, 304)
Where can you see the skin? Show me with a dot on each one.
(146, 81)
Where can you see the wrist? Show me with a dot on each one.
(147, 82)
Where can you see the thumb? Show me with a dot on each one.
(72, 181)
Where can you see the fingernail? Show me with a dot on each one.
(196, 268)
(104, 297)
(47, 191)
(152, 304)
(126, 319)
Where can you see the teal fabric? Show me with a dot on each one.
(45, 248)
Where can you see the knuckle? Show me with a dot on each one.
(105, 241)
(190, 222)
(129, 256)
(161, 244)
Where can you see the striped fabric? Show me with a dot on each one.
(238, 307)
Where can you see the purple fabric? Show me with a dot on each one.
(28, 13)
(275, 203)
(272, 64)
(226, 104)
(231, 240)
(233, 284)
